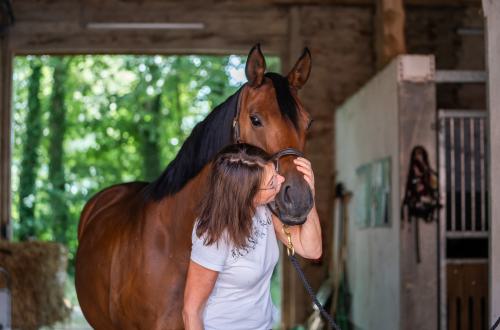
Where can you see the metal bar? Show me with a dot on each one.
(470, 31)
(467, 261)
(477, 172)
(467, 174)
(461, 113)
(144, 26)
(452, 176)
(472, 175)
(483, 179)
(442, 224)
(460, 76)
(462, 173)
(467, 234)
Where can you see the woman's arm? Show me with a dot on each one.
(199, 284)
(306, 238)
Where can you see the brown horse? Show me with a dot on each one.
(135, 238)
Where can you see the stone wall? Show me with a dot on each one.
(455, 36)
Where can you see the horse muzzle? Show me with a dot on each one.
(294, 201)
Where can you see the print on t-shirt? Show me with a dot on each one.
(259, 231)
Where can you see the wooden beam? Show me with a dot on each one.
(176, 10)
(133, 42)
(226, 30)
(290, 295)
(389, 31)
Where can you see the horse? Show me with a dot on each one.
(135, 238)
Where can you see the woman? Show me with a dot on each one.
(234, 242)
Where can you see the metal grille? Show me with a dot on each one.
(463, 233)
(463, 165)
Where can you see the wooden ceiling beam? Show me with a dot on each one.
(389, 31)
(38, 9)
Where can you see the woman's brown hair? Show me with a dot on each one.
(227, 208)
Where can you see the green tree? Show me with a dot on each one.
(57, 126)
(148, 131)
(30, 155)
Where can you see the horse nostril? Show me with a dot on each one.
(286, 195)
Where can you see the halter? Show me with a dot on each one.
(275, 158)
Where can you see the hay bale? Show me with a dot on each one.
(38, 273)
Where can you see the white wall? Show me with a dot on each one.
(491, 9)
(366, 130)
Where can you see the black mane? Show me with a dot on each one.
(209, 137)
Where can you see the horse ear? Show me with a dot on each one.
(255, 67)
(300, 73)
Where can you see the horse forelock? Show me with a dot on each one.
(286, 102)
(207, 138)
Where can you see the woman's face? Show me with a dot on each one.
(270, 185)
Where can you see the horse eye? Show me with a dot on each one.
(309, 124)
(255, 121)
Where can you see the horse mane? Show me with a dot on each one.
(209, 137)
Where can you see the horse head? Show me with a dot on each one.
(271, 116)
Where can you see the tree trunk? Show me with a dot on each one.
(57, 125)
(149, 132)
(30, 161)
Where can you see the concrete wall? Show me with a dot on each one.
(366, 129)
(417, 115)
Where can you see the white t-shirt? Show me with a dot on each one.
(241, 297)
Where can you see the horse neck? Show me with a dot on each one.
(181, 208)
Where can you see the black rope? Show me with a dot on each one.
(327, 316)
(496, 324)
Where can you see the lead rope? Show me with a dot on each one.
(291, 254)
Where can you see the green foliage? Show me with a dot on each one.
(29, 162)
(103, 120)
(57, 129)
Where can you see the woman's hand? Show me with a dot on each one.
(304, 166)
(306, 238)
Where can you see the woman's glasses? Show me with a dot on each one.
(273, 183)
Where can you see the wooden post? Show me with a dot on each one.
(389, 31)
(289, 284)
(5, 134)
